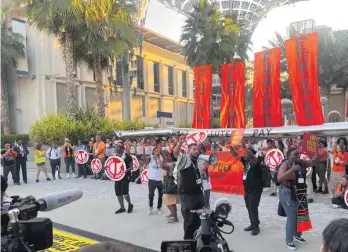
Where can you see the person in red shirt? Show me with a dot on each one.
(338, 200)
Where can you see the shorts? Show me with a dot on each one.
(41, 164)
(122, 187)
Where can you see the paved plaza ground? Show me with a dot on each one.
(95, 213)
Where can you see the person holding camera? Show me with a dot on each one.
(8, 156)
(189, 179)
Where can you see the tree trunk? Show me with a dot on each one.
(99, 89)
(70, 71)
(5, 117)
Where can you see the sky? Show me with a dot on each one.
(332, 13)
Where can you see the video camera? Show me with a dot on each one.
(208, 238)
(21, 230)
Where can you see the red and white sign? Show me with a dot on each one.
(195, 138)
(81, 156)
(308, 169)
(115, 168)
(96, 165)
(274, 158)
(140, 150)
(148, 150)
(144, 177)
(136, 164)
(346, 198)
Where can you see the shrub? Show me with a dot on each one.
(84, 126)
(185, 125)
(11, 138)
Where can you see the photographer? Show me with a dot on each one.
(190, 186)
(8, 156)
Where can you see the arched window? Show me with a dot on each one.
(334, 116)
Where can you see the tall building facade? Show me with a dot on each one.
(160, 81)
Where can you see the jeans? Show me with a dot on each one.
(21, 163)
(12, 169)
(290, 208)
(55, 167)
(207, 198)
(69, 161)
(252, 201)
(153, 185)
(82, 170)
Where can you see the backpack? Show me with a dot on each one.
(266, 176)
(276, 171)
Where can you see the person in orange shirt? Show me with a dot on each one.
(99, 148)
(338, 168)
(338, 200)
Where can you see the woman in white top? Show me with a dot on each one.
(155, 162)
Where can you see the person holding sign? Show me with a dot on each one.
(82, 167)
(338, 200)
(122, 186)
(338, 168)
(252, 186)
(189, 181)
(99, 149)
(155, 163)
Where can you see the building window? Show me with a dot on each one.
(184, 83)
(156, 77)
(170, 80)
(140, 69)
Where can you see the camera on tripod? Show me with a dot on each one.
(208, 238)
(21, 230)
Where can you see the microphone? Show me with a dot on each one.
(223, 207)
(58, 199)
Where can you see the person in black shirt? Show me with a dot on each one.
(122, 186)
(8, 156)
(252, 187)
(21, 160)
(190, 186)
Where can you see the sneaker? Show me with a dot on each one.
(300, 240)
(318, 190)
(273, 194)
(73, 175)
(54, 178)
(250, 228)
(130, 208)
(37, 181)
(291, 245)
(121, 210)
(25, 182)
(159, 211)
(60, 177)
(172, 220)
(67, 175)
(331, 196)
(326, 191)
(255, 231)
(335, 206)
(84, 177)
(17, 183)
(310, 200)
(48, 179)
(150, 211)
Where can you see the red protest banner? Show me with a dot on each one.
(227, 174)
(310, 144)
(345, 157)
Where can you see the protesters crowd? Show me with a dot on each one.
(180, 177)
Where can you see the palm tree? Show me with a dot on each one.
(61, 18)
(211, 37)
(108, 32)
(12, 50)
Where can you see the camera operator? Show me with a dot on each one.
(252, 186)
(190, 186)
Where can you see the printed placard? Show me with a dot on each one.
(148, 150)
(115, 168)
(194, 138)
(144, 177)
(237, 137)
(96, 165)
(274, 158)
(310, 144)
(136, 164)
(346, 197)
(140, 150)
(81, 156)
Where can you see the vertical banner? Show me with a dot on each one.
(201, 116)
(302, 58)
(266, 92)
(232, 110)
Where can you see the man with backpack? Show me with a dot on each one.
(253, 186)
(54, 154)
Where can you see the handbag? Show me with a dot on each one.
(281, 211)
(169, 186)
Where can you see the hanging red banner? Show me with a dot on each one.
(302, 59)
(201, 115)
(232, 110)
(267, 102)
